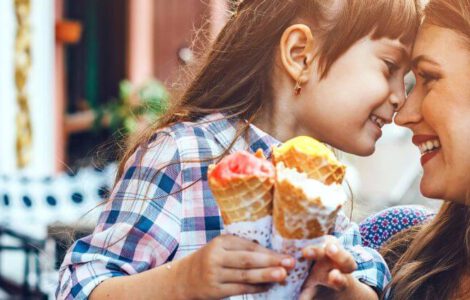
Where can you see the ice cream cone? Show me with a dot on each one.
(304, 208)
(312, 157)
(247, 198)
(304, 211)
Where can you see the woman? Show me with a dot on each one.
(436, 265)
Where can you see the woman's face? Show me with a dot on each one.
(438, 112)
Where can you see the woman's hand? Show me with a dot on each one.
(332, 269)
(229, 266)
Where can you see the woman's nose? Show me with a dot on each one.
(410, 112)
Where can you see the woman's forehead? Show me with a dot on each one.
(438, 43)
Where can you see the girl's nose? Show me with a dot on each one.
(397, 101)
(398, 96)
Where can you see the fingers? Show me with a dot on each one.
(308, 293)
(235, 243)
(253, 276)
(337, 256)
(314, 253)
(309, 287)
(341, 258)
(257, 260)
(336, 280)
(232, 289)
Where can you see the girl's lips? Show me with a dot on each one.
(377, 129)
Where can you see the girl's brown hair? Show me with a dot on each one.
(437, 258)
(235, 75)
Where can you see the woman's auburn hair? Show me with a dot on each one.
(437, 257)
(234, 77)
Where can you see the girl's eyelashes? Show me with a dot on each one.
(392, 67)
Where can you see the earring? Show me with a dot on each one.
(297, 88)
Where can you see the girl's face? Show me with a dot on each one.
(348, 108)
(438, 112)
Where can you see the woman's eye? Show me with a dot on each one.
(427, 77)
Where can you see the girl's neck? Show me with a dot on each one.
(278, 119)
(280, 125)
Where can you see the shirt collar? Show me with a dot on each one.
(224, 130)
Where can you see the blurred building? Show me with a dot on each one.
(61, 61)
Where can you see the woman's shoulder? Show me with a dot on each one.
(377, 229)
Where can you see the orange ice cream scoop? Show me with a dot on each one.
(242, 185)
(308, 155)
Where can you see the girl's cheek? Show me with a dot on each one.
(374, 87)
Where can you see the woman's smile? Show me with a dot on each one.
(429, 146)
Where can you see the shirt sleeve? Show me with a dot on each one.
(139, 227)
(372, 269)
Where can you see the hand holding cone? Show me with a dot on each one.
(306, 178)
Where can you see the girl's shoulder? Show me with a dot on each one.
(201, 139)
(210, 136)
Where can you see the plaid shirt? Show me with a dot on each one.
(179, 215)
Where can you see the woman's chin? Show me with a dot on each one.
(430, 189)
(435, 188)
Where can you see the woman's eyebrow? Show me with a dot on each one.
(423, 58)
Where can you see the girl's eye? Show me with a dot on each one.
(391, 66)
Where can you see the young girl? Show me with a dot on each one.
(329, 69)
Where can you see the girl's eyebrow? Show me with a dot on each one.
(400, 48)
(423, 58)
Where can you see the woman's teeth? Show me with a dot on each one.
(378, 121)
(429, 146)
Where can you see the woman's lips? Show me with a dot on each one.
(429, 146)
(428, 156)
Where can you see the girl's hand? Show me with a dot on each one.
(229, 266)
(332, 269)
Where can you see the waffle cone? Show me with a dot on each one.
(247, 198)
(295, 216)
(316, 167)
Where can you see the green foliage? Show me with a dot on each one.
(145, 103)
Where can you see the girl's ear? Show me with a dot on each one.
(297, 52)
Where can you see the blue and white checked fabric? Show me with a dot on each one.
(162, 209)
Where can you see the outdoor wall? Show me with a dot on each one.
(40, 88)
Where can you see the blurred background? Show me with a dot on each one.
(77, 78)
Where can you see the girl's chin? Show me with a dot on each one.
(361, 146)
(364, 149)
